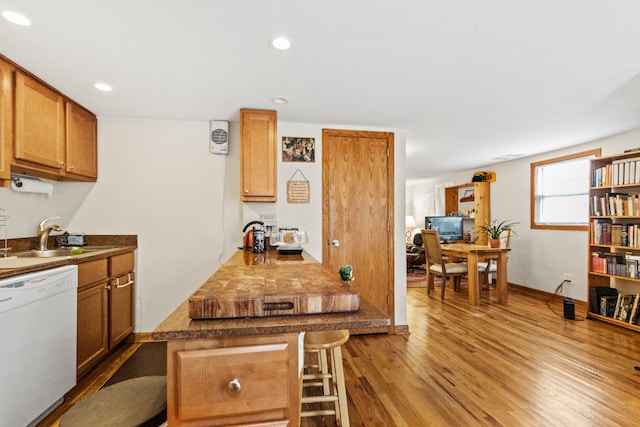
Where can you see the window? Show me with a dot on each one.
(560, 192)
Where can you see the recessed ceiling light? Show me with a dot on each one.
(279, 100)
(103, 87)
(16, 18)
(281, 43)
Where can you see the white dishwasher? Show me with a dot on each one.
(37, 343)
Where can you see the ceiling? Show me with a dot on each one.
(467, 81)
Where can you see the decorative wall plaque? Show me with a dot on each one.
(298, 191)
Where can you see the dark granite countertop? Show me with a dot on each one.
(180, 326)
(114, 245)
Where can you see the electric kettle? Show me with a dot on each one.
(249, 235)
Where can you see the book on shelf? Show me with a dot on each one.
(608, 305)
(634, 309)
(623, 311)
(616, 310)
(601, 231)
(598, 262)
(597, 292)
(615, 204)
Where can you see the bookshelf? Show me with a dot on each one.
(614, 240)
(458, 200)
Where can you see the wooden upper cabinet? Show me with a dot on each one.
(258, 151)
(6, 121)
(39, 119)
(81, 142)
(53, 137)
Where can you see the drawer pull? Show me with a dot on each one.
(286, 305)
(234, 387)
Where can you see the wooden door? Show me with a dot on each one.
(357, 210)
(39, 120)
(81, 142)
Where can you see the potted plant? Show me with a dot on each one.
(495, 229)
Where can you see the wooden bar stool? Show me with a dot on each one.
(329, 376)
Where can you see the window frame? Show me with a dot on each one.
(596, 152)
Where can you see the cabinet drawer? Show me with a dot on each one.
(204, 377)
(121, 264)
(92, 272)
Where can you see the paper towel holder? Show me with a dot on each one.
(16, 180)
(30, 184)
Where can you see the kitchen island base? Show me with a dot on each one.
(233, 381)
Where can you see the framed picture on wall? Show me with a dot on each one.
(296, 149)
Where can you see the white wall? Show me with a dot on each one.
(539, 258)
(158, 180)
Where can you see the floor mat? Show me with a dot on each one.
(149, 360)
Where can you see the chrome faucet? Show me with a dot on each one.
(43, 232)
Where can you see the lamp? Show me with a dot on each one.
(411, 224)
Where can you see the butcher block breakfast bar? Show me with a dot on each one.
(234, 347)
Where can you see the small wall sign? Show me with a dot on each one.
(298, 191)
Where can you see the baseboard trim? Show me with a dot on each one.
(402, 330)
(140, 337)
(536, 293)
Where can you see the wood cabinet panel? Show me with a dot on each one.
(106, 312)
(121, 264)
(50, 135)
(200, 373)
(81, 142)
(121, 299)
(39, 120)
(206, 379)
(6, 121)
(92, 326)
(92, 272)
(258, 149)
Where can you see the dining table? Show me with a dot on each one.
(475, 253)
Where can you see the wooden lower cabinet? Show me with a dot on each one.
(105, 307)
(233, 381)
(93, 302)
(121, 297)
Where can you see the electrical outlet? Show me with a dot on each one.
(568, 278)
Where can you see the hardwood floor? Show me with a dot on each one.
(517, 364)
(494, 365)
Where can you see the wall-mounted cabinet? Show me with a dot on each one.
(54, 137)
(42, 132)
(473, 201)
(6, 121)
(614, 240)
(258, 151)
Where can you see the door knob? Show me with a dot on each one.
(336, 243)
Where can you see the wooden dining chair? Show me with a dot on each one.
(437, 265)
(490, 266)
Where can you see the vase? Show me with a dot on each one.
(495, 243)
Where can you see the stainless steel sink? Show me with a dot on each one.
(61, 252)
